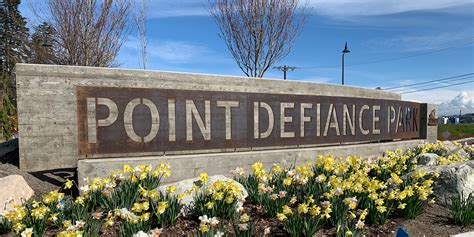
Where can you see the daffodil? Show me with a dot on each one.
(401, 206)
(28, 232)
(286, 210)
(68, 184)
(203, 177)
(244, 218)
(162, 207)
(281, 216)
(303, 208)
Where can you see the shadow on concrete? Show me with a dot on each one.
(9, 152)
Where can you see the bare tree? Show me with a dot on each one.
(258, 33)
(140, 17)
(87, 32)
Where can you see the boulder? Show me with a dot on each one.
(14, 190)
(428, 159)
(453, 179)
(187, 184)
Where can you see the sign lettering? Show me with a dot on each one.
(134, 120)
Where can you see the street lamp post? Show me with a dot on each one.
(346, 50)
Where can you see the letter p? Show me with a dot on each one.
(93, 123)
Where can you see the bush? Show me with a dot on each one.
(125, 195)
(437, 148)
(167, 208)
(243, 225)
(5, 225)
(250, 184)
(329, 192)
(209, 227)
(217, 199)
(304, 221)
(462, 209)
(469, 149)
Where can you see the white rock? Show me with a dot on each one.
(467, 234)
(187, 184)
(453, 179)
(14, 190)
(428, 159)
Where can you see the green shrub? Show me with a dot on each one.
(209, 227)
(217, 199)
(166, 209)
(250, 184)
(304, 221)
(5, 225)
(243, 225)
(462, 209)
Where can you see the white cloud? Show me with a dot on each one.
(425, 42)
(438, 96)
(334, 8)
(170, 51)
(177, 8)
(347, 8)
(178, 51)
(463, 102)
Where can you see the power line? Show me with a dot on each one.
(458, 44)
(433, 88)
(420, 87)
(439, 83)
(437, 80)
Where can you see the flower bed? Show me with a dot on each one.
(339, 196)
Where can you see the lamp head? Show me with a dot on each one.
(346, 49)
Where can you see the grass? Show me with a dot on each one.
(455, 131)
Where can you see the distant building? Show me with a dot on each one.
(467, 118)
(456, 119)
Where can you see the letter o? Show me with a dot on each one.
(128, 120)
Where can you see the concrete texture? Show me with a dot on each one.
(432, 131)
(189, 166)
(47, 106)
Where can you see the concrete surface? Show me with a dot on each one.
(47, 105)
(189, 166)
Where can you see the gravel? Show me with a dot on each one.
(39, 186)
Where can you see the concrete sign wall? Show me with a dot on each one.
(128, 120)
(68, 113)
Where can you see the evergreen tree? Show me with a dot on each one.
(42, 45)
(13, 49)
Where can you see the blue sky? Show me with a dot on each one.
(183, 37)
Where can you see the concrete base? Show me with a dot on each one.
(189, 166)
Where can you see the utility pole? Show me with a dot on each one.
(346, 50)
(284, 69)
